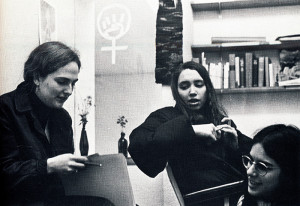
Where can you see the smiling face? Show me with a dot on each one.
(262, 186)
(54, 89)
(191, 89)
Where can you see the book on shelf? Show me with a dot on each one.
(267, 73)
(291, 82)
(220, 75)
(261, 71)
(221, 40)
(226, 75)
(232, 78)
(202, 60)
(255, 72)
(248, 68)
(216, 75)
(271, 75)
(237, 71)
(242, 72)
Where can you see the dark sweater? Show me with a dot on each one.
(167, 136)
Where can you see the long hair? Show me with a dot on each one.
(46, 59)
(213, 111)
(281, 143)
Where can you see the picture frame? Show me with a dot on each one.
(47, 22)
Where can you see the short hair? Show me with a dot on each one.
(213, 110)
(46, 59)
(281, 143)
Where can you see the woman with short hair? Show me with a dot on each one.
(36, 136)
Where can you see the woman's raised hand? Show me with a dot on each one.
(230, 136)
(208, 132)
(65, 163)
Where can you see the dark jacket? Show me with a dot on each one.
(167, 136)
(24, 149)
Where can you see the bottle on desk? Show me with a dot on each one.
(123, 145)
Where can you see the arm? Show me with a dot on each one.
(23, 169)
(154, 141)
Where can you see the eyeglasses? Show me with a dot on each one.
(260, 167)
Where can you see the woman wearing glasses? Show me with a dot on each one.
(273, 167)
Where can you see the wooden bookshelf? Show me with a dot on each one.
(257, 90)
(249, 46)
(218, 6)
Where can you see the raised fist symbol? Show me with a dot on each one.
(113, 21)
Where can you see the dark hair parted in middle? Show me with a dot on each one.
(46, 59)
(282, 143)
(211, 109)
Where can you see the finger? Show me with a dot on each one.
(80, 159)
(213, 136)
(220, 127)
(70, 170)
(230, 131)
(76, 165)
(226, 120)
(219, 135)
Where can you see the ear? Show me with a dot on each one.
(36, 80)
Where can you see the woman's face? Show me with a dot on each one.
(55, 89)
(191, 89)
(262, 186)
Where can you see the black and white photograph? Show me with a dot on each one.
(149, 102)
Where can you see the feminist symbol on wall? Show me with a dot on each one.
(113, 22)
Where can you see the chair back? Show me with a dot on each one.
(106, 176)
(224, 192)
(175, 186)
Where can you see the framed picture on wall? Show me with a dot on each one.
(47, 22)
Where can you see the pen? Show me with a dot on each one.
(93, 164)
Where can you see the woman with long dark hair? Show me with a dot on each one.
(273, 167)
(196, 138)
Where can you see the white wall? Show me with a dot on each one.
(85, 42)
(269, 22)
(19, 36)
(253, 111)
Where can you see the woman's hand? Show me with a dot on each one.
(208, 132)
(230, 136)
(65, 163)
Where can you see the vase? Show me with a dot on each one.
(84, 143)
(122, 145)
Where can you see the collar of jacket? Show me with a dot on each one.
(22, 99)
